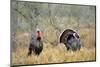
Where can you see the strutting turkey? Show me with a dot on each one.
(71, 39)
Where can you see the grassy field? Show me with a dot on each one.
(52, 54)
(58, 54)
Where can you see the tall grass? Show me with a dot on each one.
(52, 54)
(59, 53)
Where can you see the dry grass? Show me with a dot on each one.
(58, 54)
(52, 54)
(87, 36)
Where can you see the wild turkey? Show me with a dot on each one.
(36, 44)
(71, 39)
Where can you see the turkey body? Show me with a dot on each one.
(36, 46)
(73, 43)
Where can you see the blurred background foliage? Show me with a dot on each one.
(52, 19)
